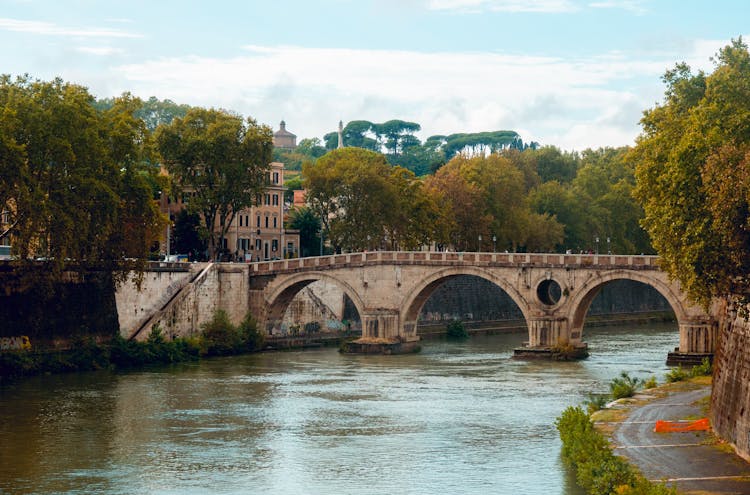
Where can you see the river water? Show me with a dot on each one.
(458, 418)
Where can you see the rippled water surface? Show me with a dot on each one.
(458, 418)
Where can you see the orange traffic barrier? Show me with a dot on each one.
(678, 426)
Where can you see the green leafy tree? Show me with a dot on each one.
(692, 175)
(466, 216)
(553, 164)
(293, 183)
(222, 160)
(396, 135)
(309, 225)
(153, 112)
(488, 198)
(311, 147)
(347, 189)
(77, 187)
(188, 234)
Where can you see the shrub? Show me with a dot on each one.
(456, 330)
(650, 383)
(595, 402)
(252, 337)
(220, 337)
(624, 386)
(598, 470)
(703, 369)
(676, 374)
(155, 350)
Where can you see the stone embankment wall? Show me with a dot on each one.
(135, 305)
(180, 302)
(730, 397)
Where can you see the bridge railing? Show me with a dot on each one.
(449, 257)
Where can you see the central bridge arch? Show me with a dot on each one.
(426, 287)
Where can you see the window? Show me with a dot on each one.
(275, 177)
(275, 200)
(274, 245)
(257, 223)
(240, 219)
(267, 200)
(274, 222)
(266, 221)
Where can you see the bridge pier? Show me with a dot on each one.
(382, 334)
(551, 336)
(698, 340)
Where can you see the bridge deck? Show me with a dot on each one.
(608, 262)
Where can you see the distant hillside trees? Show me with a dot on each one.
(396, 140)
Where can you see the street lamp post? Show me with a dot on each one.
(479, 243)
(494, 243)
(597, 244)
(609, 251)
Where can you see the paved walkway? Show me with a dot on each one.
(691, 460)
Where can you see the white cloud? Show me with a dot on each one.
(548, 6)
(635, 6)
(100, 50)
(571, 103)
(51, 29)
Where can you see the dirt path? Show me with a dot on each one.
(692, 461)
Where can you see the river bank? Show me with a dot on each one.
(693, 462)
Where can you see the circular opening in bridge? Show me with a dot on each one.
(549, 292)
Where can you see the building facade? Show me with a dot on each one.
(259, 233)
(255, 234)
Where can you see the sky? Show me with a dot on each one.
(575, 74)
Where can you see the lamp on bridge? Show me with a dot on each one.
(479, 244)
(494, 243)
(597, 244)
(609, 251)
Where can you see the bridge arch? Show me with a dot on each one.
(279, 299)
(581, 299)
(426, 287)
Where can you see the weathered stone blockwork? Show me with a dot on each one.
(730, 399)
(182, 300)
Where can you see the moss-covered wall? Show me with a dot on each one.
(53, 314)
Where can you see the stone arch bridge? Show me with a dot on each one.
(388, 289)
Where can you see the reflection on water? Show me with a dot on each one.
(461, 418)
